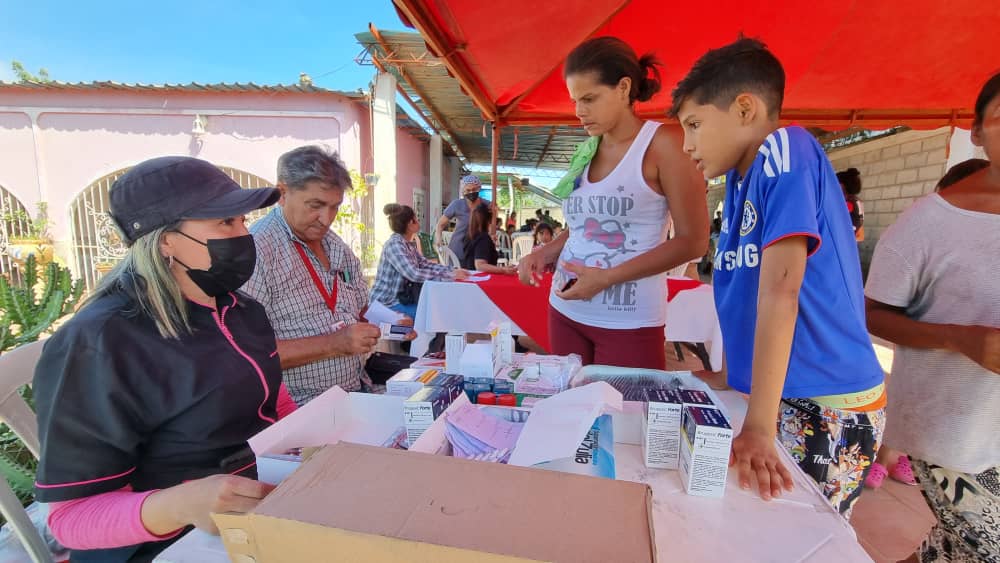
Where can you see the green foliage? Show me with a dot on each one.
(23, 75)
(31, 307)
(350, 224)
(24, 227)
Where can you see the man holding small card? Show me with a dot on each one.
(310, 282)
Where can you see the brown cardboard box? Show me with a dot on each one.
(359, 503)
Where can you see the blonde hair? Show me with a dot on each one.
(145, 276)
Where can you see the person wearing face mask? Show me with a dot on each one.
(310, 282)
(146, 397)
(460, 210)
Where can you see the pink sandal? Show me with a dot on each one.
(876, 475)
(903, 471)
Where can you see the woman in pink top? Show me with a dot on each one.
(609, 292)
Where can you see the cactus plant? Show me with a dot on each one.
(31, 307)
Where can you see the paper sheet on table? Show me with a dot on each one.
(333, 416)
(378, 313)
(559, 423)
(477, 278)
(485, 428)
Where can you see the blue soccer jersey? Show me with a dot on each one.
(791, 190)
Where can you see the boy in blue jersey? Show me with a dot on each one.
(787, 281)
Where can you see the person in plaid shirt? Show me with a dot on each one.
(402, 261)
(310, 282)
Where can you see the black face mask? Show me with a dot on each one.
(233, 261)
(472, 196)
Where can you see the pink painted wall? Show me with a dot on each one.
(412, 167)
(85, 135)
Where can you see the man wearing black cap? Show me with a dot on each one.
(147, 396)
(310, 281)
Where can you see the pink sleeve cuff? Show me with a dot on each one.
(102, 521)
(285, 405)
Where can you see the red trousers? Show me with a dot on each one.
(633, 347)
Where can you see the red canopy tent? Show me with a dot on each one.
(874, 63)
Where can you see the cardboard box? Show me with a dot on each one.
(595, 456)
(424, 407)
(363, 504)
(706, 440)
(661, 427)
(503, 342)
(335, 415)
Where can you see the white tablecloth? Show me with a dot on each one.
(801, 526)
(463, 307)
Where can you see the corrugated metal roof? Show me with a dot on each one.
(222, 87)
(444, 105)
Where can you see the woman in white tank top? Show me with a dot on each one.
(609, 293)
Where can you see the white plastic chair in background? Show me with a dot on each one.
(448, 257)
(504, 245)
(17, 368)
(522, 245)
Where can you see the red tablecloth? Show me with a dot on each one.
(528, 306)
(675, 286)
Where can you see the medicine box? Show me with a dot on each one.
(661, 424)
(408, 381)
(706, 440)
(423, 408)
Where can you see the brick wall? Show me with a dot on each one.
(895, 171)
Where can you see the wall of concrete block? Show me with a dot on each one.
(895, 171)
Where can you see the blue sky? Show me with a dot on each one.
(265, 42)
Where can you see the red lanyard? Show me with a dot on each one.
(329, 296)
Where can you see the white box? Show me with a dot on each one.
(477, 361)
(454, 346)
(503, 343)
(706, 440)
(361, 418)
(408, 381)
(661, 425)
(424, 407)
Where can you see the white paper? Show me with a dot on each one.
(335, 415)
(378, 313)
(559, 423)
(477, 278)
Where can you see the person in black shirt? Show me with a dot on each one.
(480, 252)
(147, 396)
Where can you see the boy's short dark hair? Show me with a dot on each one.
(720, 75)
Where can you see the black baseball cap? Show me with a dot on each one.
(162, 191)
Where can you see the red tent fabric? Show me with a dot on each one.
(874, 64)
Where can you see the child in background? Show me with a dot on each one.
(933, 290)
(786, 251)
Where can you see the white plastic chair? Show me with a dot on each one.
(504, 245)
(17, 367)
(448, 257)
(522, 245)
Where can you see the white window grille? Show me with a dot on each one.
(13, 223)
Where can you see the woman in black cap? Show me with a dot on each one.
(147, 396)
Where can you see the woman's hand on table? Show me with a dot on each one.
(754, 456)
(193, 502)
(509, 270)
(589, 282)
(460, 274)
